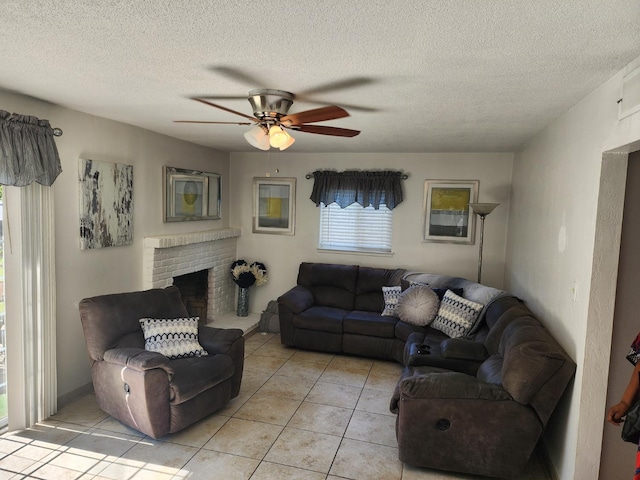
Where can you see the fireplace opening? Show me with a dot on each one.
(194, 291)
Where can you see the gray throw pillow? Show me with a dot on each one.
(418, 305)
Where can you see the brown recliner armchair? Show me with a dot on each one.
(146, 390)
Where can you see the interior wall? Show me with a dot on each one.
(282, 254)
(83, 273)
(618, 457)
(562, 261)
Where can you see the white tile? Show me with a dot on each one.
(374, 401)
(268, 409)
(273, 471)
(245, 438)
(366, 461)
(372, 428)
(321, 418)
(225, 466)
(304, 449)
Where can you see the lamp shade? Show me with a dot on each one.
(277, 136)
(483, 208)
(257, 137)
(289, 142)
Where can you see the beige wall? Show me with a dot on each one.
(282, 254)
(564, 230)
(92, 272)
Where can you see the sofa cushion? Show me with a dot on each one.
(369, 297)
(491, 370)
(405, 284)
(332, 285)
(390, 296)
(418, 305)
(463, 349)
(403, 330)
(369, 323)
(172, 337)
(531, 357)
(322, 319)
(456, 315)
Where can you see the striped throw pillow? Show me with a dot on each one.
(172, 337)
(456, 315)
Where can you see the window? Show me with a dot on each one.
(355, 228)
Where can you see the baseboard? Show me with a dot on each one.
(72, 396)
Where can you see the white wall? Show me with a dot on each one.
(564, 230)
(282, 254)
(116, 269)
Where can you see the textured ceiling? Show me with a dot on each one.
(416, 75)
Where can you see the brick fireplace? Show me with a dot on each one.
(169, 256)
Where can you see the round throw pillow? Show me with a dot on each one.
(418, 305)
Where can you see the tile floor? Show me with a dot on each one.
(300, 415)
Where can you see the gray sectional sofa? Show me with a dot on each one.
(475, 404)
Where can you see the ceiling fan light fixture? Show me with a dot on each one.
(290, 141)
(257, 137)
(278, 137)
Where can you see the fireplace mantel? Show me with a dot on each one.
(168, 256)
(179, 239)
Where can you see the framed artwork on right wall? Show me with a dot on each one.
(447, 217)
(274, 205)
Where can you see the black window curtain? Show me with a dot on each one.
(365, 188)
(28, 151)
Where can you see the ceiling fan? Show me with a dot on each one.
(271, 119)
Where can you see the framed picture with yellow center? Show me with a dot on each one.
(274, 205)
(190, 195)
(447, 216)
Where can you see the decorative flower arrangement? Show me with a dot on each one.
(246, 275)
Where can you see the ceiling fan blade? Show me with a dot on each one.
(215, 123)
(339, 85)
(316, 115)
(238, 76)
(201, 100)
(221, 97)
(322, 130)
(347, 106)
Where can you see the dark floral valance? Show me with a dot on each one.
(366, 188)
(28, 151)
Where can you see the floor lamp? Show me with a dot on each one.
(482, 210)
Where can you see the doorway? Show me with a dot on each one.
(3, 342)
(618, 458)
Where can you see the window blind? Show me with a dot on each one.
(355, 228)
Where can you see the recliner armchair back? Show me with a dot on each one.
(112, 321)
(144, 389)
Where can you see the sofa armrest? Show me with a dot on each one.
(218, 340)
(463, 349)
(138, 359)
(297, 299)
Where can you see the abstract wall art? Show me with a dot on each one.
(447, 217)
(106, 204)
(274, 205)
